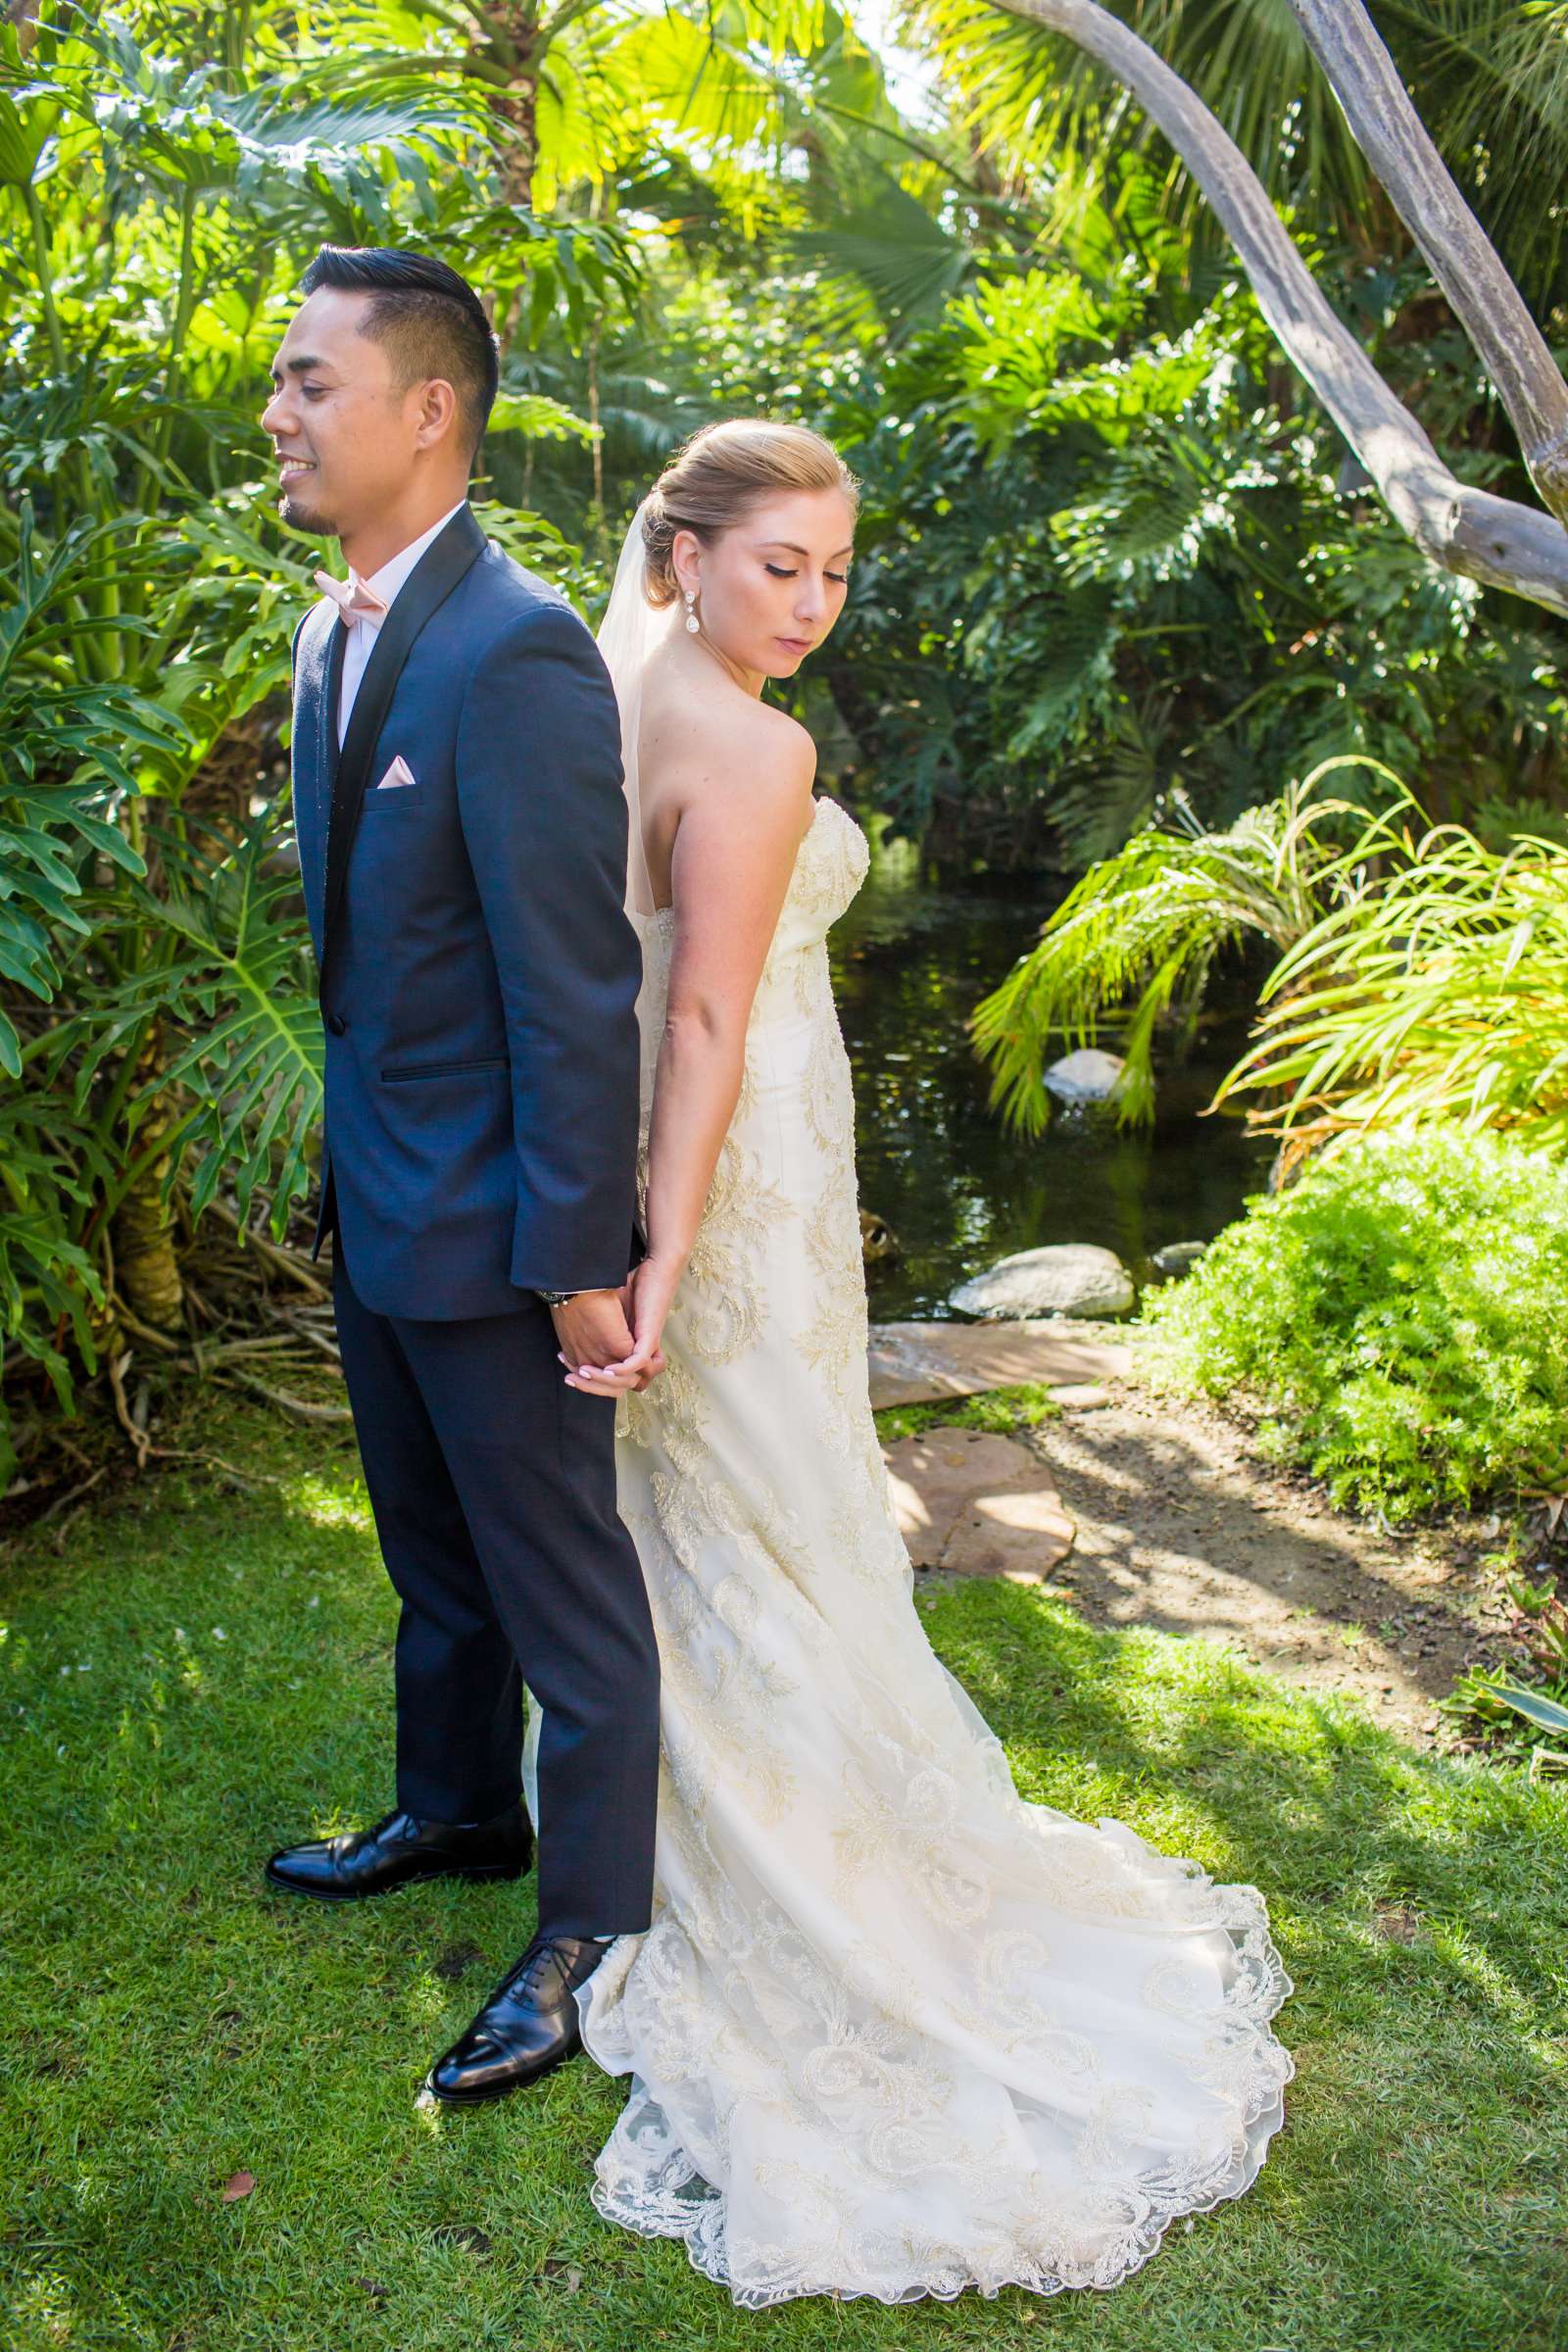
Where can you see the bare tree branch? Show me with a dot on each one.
(1464, 529)
(1397, 145)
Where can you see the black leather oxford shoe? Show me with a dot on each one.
(526, 2027)
(341, 1870)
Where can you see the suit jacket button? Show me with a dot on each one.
(336, 1023)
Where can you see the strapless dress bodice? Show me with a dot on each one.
(830, 866)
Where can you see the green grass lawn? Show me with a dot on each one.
(202, 1670)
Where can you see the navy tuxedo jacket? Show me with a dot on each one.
(479, 973)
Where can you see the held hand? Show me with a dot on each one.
(644, 1301)
(649, 1288)
(593, 1332)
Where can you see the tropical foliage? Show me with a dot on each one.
(1418, 976)
(1526, 1717)
(1119, 585)
(1108, 556)
(1492, 81)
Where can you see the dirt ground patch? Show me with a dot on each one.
(1178, 1526)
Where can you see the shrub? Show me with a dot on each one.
(1398, 1315)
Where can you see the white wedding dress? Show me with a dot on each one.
(893, 2031)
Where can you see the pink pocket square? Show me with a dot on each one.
(399, 772)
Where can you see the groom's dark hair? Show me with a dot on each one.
(430, 320)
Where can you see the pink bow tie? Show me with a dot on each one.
(354, 601)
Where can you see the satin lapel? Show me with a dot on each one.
(327, 757)
(428, 585)
(319, 665)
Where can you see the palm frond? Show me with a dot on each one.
(1435, 989)
(1138, 937)
(889, 242)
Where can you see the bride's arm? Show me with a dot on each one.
(740, 827)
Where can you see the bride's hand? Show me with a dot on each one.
(645, 1302)
(649, 1288)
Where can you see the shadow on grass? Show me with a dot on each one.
(1304, 1797)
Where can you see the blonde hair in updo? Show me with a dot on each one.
(725, 471)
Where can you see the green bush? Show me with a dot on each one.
(1400, 1316)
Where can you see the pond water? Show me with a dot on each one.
(957, 1187)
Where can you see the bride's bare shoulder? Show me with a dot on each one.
(767, 748)
(730, 742)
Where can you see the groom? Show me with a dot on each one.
(462, 849)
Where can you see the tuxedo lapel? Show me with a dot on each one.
(319, 665)
(327, 718)
(327, 759)
(442, 566)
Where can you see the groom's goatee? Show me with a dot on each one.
(305, 519)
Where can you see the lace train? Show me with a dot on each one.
(1049, 2196)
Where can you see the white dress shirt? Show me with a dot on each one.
(362, 634)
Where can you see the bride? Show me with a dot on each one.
(893, 2031)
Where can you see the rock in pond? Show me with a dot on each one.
(1178, 1257)
(1087, 1076)
(1066, 1278)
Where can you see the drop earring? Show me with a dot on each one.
(692, 623)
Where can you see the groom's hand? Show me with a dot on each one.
(594, 1332)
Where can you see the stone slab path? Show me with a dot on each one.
(977, 1505)
(918, 1363)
